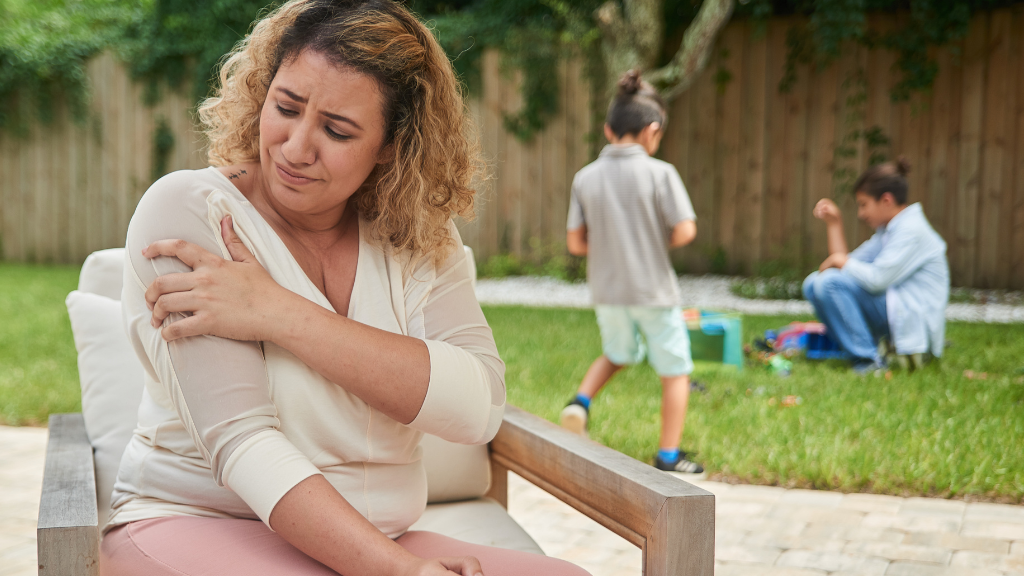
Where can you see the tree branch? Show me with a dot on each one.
(645, 20)
(691, 58)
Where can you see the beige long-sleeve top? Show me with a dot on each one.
(226, 428)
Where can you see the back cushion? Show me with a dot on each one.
(111, 379)
(454, 471)
(103, 273)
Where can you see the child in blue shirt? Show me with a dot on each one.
(895, 284)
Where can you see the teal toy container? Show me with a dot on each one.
(715, 336)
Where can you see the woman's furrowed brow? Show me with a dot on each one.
(330, 115)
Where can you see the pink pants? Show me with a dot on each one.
(183, 545)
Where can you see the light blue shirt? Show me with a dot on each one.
(906, 259)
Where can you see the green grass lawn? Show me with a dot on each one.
(38, 372)
(933, 432)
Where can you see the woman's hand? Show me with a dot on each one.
(837, 260)
(464, 566)
(827, 210)
(234, 299)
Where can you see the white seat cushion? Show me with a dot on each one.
(111, 379)
(481, 521)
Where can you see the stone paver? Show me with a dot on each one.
(759, 530)
(22, 454)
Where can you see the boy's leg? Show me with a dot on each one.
(621, 345)
(675, 396)
(808, 290)
(854, 317)
(599, 373)
(668, 346)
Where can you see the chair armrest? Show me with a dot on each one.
(67, 536)
(672, 521)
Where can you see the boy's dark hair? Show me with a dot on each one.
(888, 177)
(636, 105)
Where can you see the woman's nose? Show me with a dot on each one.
(300, 147)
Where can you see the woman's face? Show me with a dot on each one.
(321, 134)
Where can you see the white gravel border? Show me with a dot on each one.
(709, 291)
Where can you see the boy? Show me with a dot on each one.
(627, 210)
(895, 284)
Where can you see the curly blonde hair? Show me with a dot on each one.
(408, 201)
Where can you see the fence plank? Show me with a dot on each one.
(1017, 190)
(702, 161)
(752, 151)
(795, 153)
(994, 137)
(821, 153)
(969, 184)
(775, 201)
(730, 63)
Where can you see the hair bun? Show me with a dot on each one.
(902, 166)
(630, 83)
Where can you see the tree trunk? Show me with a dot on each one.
(631, 38)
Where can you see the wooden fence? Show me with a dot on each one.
(754, 159)
(70, 188)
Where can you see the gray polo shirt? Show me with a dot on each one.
(629, 203)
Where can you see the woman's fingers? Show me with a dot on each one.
(191, 254)
(187, 326)
(170, 303)
(465, 565)
(177, 282)
(238, 251)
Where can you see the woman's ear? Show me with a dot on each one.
(386, 154)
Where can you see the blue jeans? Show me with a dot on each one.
(855, 318)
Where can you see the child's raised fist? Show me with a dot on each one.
(827, 210)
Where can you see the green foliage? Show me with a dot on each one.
(773, 280)
(831, 23)
(183, 41)
(771, 288)
(549, 261)
(163, 143)
(535, 36)
(44, 45)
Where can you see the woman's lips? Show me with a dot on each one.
(292, 178)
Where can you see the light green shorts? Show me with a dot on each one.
(626, 329)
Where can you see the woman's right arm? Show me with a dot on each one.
(220, 391)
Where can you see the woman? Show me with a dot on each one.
(292, 385)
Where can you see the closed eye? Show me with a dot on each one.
(286, 112)
(335, 135)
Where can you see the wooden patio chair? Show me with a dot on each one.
(672, 521)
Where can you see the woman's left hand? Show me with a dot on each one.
(234, 299)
